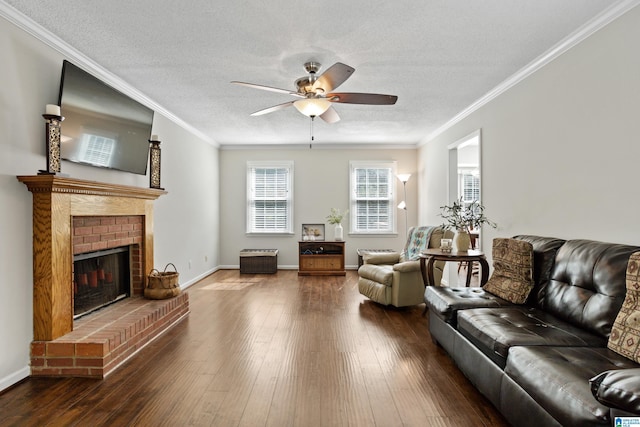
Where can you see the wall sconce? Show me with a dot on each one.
(53, 121)
(154, 162)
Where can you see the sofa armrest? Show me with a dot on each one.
(382, 258)
(618, 388)
(407, 266)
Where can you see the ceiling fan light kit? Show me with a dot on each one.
(312, 107)
(316, 96)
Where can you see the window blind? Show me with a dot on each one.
(470, 187)
(269, 199)
(372, 198)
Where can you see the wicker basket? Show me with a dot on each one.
(163, 279)
(161, 293)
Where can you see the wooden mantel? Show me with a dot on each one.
(56, 200)
(57, 184)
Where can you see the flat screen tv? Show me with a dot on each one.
(102, 126)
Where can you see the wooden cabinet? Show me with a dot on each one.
(321, 258)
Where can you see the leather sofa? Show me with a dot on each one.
(546, 362)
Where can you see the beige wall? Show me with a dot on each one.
(186, 219)
(321, 182)
(560, 149)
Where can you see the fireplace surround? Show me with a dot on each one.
(56, 200)
(72, 216)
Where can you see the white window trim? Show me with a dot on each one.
(393, 216)
(270, 164)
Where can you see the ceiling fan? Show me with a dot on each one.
(316, 93)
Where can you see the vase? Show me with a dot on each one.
(462, 241)
(338, 232)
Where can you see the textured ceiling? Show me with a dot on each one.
(438, 57)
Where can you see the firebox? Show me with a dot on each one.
(100, 278)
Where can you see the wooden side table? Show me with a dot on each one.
(430, 256)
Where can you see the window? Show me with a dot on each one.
(269, 197)
(469, 179)
(373, 197)
(464, 169)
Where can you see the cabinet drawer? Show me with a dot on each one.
(321, 262)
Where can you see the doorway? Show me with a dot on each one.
(463, 181)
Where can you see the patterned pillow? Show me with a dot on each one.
(512, 277)
(625, 333)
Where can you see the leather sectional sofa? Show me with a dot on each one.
(546, 362)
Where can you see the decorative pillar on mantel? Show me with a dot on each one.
(55, 201)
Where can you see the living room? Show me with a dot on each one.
(558, 159)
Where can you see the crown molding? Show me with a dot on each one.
(78, 58)
(603, 19)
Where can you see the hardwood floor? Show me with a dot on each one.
(270, 350)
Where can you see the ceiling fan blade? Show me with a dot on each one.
(272, 109)
(330, 116)
(269, 88)
(362, 98)
(335, 75)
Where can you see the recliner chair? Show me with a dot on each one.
(395, 278)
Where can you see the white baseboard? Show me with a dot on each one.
(14, 378)
(198, 278)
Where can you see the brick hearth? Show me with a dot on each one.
(103, 340)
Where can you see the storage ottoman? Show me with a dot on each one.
(258, 261)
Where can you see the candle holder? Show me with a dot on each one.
(154, 164)
(52, 137)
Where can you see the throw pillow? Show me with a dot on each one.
(512, 277)
(625, 333)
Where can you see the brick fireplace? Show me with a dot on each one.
(73, 216)
(106, 260)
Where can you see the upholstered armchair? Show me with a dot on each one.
(394, 278)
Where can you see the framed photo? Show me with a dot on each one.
(312, 232)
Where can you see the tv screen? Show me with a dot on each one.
(102, 126)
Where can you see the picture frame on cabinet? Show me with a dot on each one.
(311, 232)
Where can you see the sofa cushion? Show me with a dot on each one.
(557, 378)
(381, 258)
(587, 284)
(445, 302)
(625, 333)
(544, 255)
(382, 274)
(375, 291)
(407, 266)
(512, 277)
(495, 330)
(619, 388)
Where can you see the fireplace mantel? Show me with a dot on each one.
(56, 200)
(57, 184)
